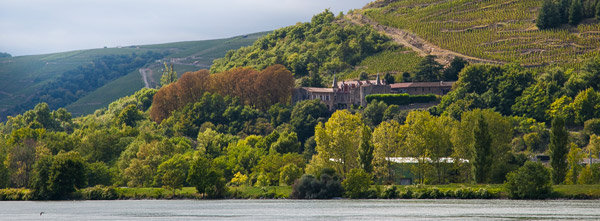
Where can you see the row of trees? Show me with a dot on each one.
(553, 13)
(258, 89)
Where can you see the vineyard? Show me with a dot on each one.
(394, 61)
(496, 30)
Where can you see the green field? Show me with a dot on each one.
(23, 75)
(496, 30)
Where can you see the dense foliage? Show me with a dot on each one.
(532, 181)
(401, 99)
(326, 45)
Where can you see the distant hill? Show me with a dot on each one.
(494, 31)
(25, 76)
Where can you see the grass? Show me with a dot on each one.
(492, 29)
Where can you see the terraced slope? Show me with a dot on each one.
(497, 30)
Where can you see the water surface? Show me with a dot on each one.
(301, 210)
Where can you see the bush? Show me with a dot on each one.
(15, 194)
(391, 193)
(309, 187)
(289, 173)
(401, 99)
(531, 181)
(99, 192)
(357, 184)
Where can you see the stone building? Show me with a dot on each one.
(343, 94)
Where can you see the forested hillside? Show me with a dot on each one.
(86, 80)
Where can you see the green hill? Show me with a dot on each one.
(497, 31)
(24, 76)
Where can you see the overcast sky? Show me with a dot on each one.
(45, 26)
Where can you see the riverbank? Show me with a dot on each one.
(451, 191)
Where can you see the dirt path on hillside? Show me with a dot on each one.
(416, 43)
(144, 72)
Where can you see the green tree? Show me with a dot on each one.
(559, 138)
(388, 140)
(548, 16)
(389, 78)
(531, 181)
(67, 173)
(129, 116)
(428, 70)
(482, 154)
(373, 114)
(305, 116)
(357, 183)
(456, 65)
(365, 150)
(289, 174)
(207, 179)
(575, 12)
(337, 142)
(172, 173)
(575, 155)
(169, 75)
(41, 175)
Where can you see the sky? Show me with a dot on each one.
(30, 27)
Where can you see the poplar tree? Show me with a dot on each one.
(169, 75)
(482, 157)
(559, 138)
(365, 150)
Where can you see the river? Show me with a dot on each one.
(301, 210)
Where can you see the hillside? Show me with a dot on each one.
(493, 31)
(24, 76)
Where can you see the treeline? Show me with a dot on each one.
(326, 45)
(553, 13)
(258, 89)
(77, 83)
(218, 138)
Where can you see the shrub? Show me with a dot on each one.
(531, 181)
(309, 187)
(357, 183)
(99, 192)
(289, 173)
(401, 99)
(15, 194)
(391, 193)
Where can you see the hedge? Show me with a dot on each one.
(401, 99)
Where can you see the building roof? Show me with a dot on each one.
(423, 84)
(318, 89)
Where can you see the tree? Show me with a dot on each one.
(575, 155)
(305, 116)
(456, 65)
(564, 11)
(373, 113)
(388, 141)
(597, 11)
(172, 173)
(575, 12)
(129, 116)
(363, 76)
(482, 157)
(548, 16)
(206, 179)
(365, 150)
(168, 76)
(337, 140)
(357, 183)
(67, 173)
(289, 174)
(389, 78)
(559, 138)
(531, 181)
(428, 69)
